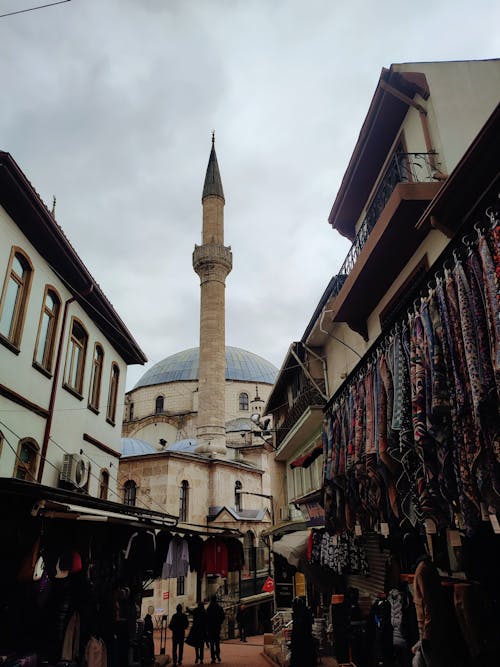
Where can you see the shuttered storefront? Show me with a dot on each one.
(372, 583)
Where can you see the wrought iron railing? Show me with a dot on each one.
(309, 396)
(402, 168)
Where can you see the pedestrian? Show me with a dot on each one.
(301, 646)
(215, 617)
(178, 624)
(198, 633)
(242, 621)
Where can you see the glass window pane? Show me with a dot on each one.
(18, 267)
(11, 296)
(42, 343)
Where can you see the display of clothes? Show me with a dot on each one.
(177, 561)
(214, 558)
(341, 553)
(415, 434)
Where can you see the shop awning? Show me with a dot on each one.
(292, 546)
(51, 502)
(260, 598)
(307, 459)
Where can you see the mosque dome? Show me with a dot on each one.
(136, 447)
(240, 365)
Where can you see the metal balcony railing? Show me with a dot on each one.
(309, 396)
(402, 168)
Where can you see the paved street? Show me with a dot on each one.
(233, 653)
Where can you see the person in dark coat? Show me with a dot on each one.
(242, 621)
(198, 632)
(302, 645)
(178, 624)
(215, 617)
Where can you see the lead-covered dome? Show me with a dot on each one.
(240, 365)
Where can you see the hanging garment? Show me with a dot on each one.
(177, 561)
(235, 555)
(195, 550)
(95, 653)
(71, 643)
(215, 557)
(163, 539)
(140, 553)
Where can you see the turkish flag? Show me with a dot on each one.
(268, 585)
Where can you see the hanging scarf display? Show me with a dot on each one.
(415, 435)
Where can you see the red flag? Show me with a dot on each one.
(268, 585)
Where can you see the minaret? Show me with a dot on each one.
(212, 261)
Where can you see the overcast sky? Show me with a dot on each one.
(110, 104)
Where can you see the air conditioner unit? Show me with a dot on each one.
(285, 513)
(75, 470)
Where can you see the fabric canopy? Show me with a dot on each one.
(292, 546)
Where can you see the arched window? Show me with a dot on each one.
(159, 403)
(183, 501)
(131, 411)
(96, 377)
(113, 393)
(103, 485)
(237, 496)
(15, 294)
(45, 344)
(75, 358)
(243, 401)
(130, 492)
(27, 458)
(249, 550)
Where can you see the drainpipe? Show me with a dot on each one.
(53, 391)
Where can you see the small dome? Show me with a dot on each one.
(188, 446)
(240, 365)
(136, 447)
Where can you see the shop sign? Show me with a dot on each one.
(166, 595)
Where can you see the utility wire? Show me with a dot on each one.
(32, 9)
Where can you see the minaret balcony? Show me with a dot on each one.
(211, 255)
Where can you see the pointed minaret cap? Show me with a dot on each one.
(213, 182)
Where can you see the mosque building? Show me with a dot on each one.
(190, 445)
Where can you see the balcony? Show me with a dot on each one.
(302, 418)
(386, 237)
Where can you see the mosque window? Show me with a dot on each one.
(237, 496)
(14, 300)
(183, 501)
(75, 358)
(130, 492)
(113, 393)
(243, 401)
(46, 337)
(159, 405)
(27, 457)
(96, 377)
(181, 587)
(104, 485)
(249, 551)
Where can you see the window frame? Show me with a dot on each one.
(104, 478)
(114, 383)
(72, 345)
(243, 401)
(130, 493)
(31, 468)
(49, 345)
(181, 586)
(238, 505)
(184, 501)
(158, 399)
(95, 386)
(24, 283)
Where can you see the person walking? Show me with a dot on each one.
(178, 624)
(198, 633)
(215, 617)
(242, 621)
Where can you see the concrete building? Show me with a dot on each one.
(422, 172)
(190, 446)
(64, 353)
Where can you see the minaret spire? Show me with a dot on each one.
(213, 181)
(212, 261)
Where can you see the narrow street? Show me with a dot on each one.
(233, 653)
